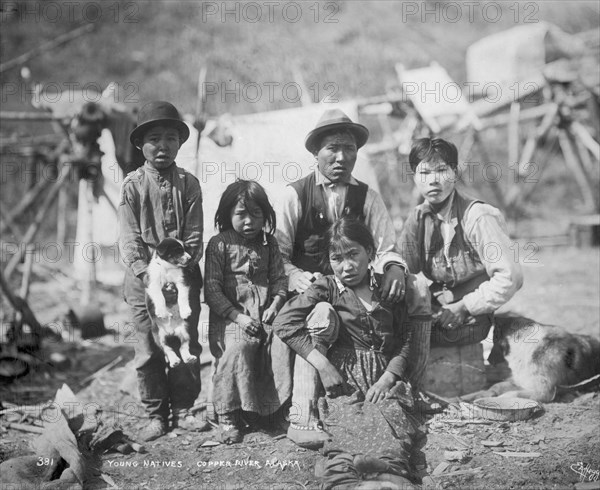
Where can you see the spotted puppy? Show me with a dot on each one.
(168, 269)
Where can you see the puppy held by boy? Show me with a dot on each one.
(168, 268)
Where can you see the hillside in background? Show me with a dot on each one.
(341, 49)
(154, 49)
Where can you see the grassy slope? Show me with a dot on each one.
(163, 51)
(160, 54)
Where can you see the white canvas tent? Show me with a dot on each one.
(267, 147)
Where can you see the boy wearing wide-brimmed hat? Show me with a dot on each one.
(160, 200)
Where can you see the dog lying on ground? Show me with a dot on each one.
(168, 266)
(542, 358)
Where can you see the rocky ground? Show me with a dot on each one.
(557, 448)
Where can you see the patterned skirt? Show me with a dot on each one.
(251, 375)
(382, 433)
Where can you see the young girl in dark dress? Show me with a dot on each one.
(245, 286)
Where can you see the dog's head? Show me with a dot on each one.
(171, 250)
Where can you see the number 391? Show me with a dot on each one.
(45, 461)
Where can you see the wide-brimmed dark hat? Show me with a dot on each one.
(159, 113)
(335, 119)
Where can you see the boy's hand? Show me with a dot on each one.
(249, 325)
(393, 285)
(453, 315)
(269, 315)
(271, 312)
(380, 389)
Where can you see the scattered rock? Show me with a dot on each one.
(460, 455)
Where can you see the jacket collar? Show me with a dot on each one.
(446, 213)
(150, 169)
(320, 179)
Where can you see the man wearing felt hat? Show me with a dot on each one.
(310, 206)
(161, 200)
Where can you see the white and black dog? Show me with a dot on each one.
(168, 266)
(543, 359)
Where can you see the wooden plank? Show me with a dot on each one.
(524, 115)
(573, 163)
(23, 205)
(547, 123)
(27, 116)
(20, 305)
(586, 139)
(35, 226)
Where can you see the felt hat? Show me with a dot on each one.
(159, 113)
(335, 119)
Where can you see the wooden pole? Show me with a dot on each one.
(574, 165)
(11, 225)
(513, 133)
(61, 216)
(47, 46)
(586, 138)
(27, 200)
(534, 137)
(524, 115)
(465, 152)
(199, 116)
(305, 99)
(27, 116)
(498, 192)
(20, 305)
(547, 123)
(35, 226)
(526, 192)
(584, 154)
(25, 282)
(89, 284)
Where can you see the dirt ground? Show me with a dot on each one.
(562, 443)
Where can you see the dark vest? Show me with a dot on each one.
(310, 250)
(464, 271)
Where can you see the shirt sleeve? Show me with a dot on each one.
(193, 226)
(214, 270)
(379, 222)
(290, 324)
(409, 243)
(398, 364)
(287, 221)
(131, 245)
(487, 232)
(278, 280)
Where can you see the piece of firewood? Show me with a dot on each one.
(25, 427)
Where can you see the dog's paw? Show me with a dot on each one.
(162, 313)
(174, 362)
(185, 312)
(189, 358)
